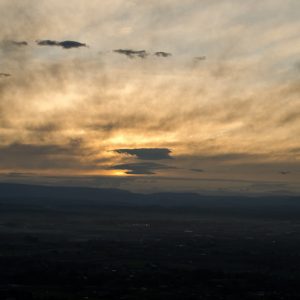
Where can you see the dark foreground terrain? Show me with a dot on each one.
(53, 247)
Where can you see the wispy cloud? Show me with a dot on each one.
(163, 54)
(147, 153)
(145, 168)
(132, 53)
(4, 75)
(64, 44)
(197, 170)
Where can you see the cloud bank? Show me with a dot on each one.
(233, 114)
(147, 153)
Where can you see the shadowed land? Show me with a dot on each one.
(82, 243)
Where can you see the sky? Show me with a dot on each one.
(168, 95)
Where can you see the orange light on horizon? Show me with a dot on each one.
(118, 173)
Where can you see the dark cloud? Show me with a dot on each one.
(230, 156)
(10, 46)
(146, 168)
(141, 53)
(64, 44)
(284, 172)
(147, 153)
(129, 121)
(295, 150)
(199, 58)
(60, 180)
(163, 54)
(47, 43)
(44, 128)
(16, 174)
(39, 156)
(132, 53)
(19, 43)
(197, 170)
(268, 186)
(88, 181)
(290, 118)
(4, 75)
(33, 149)
(71, 44)
(224, 157)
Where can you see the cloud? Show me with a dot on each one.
(199, 58)
(223, 157)
(162, 54)
(4, 75)
(295, 150)
(19, 43)
(198, 112)
(291, 117)
(132, 53)
(123, 182)
(284, 172)
(197, 170)
(10, 44)
(41, 156)
(47, 43)
(43, 128)
(147, 153)
(32, 149)
(121, 122)
(141, 53)
(64, 44)
(146, 168)
(71, 44)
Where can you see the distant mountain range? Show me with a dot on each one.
(86, 197)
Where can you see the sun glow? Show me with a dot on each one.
(118, 173)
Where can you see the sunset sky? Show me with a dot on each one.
(168, 95)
